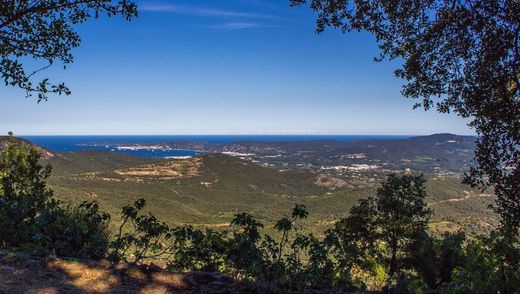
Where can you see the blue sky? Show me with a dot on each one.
(222, 67)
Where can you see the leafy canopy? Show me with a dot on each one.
(43, 30)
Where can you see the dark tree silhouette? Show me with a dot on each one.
(42, 30)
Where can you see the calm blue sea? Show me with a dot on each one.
(108, 143)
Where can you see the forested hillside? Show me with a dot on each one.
(208, 190)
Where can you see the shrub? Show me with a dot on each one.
(476, 274)
(31, 218)
(484, 269)
(301, 260)
(147, 237)
(23, 193)
(435, 259)
(200, 251)
(80, 231)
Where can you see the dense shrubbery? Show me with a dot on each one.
(31, 218)
(24, 193)
(80, 231)
(383, 243)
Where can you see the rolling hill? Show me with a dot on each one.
(207, 190)
(46, 154)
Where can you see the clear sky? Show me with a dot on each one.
(222, 67)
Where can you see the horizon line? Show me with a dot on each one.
(150, 135)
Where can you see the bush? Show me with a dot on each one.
(31, 218)
(74, 231)
(476, 274)
(200, 251)
(435, 259)
(147, 238)
(485, 270)
(23, 193)
(301, 260)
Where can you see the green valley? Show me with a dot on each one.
(209, 189)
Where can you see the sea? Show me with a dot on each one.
(111, 143)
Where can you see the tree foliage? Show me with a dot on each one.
(72, 231)
(383, 229)
(43, 30)
(23, 192)
(461, 56)
(244, 253)
(146, 237)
